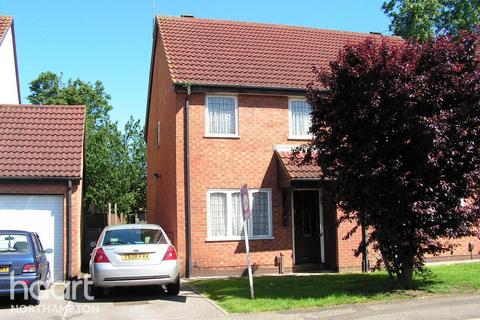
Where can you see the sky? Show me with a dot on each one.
(111, 40)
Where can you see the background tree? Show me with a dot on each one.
(136, 150)
(423, 19)
(397, 133)
(115, 162)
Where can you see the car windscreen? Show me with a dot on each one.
(134, 236)
(11, 243)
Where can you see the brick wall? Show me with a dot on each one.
(77, 228)
(222, 163)
(460, 252)
(161, 160)
(56, 188)
(225, 163)
(347, 262)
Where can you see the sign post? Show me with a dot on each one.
(246, 216)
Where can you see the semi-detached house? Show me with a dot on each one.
(226, 104)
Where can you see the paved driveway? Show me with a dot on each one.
(122, 303)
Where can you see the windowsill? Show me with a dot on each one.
(300, 138)
(220, 136)
(228, 239)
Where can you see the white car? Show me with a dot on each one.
(134, 255)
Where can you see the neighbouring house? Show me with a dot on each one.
(10, 92)
(226, 105)
(41, 168)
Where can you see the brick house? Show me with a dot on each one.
(41, 170)
(226, 104)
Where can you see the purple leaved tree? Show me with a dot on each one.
(397, 130)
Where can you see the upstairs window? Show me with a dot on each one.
(221, 118)
(299, 118)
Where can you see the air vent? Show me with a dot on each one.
(187, 16)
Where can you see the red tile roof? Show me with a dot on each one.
(295, 171)
(5, 22)
(228, 53)
(41, 141)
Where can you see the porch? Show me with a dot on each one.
(310, 209)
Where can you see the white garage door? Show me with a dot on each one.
(40, 214)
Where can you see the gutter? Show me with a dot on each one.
(253, 89)
(40, 178)
(188, 240)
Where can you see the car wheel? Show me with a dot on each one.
(47, 282)
(96, 292)
(174, 288)
(32, 298)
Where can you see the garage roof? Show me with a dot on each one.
(41, 141)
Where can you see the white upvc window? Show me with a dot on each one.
(225, 217)
(221, 116)
(299, 118)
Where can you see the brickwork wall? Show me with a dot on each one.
(223, 163)
(347, 262)
(161, 160)
(77, 228)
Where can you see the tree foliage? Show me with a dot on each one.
(115, 162)
(423, 19)
(398, 134)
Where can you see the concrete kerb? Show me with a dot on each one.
(185, 282)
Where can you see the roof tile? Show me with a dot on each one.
(5, 22)
(217, 52)
(41, 141)
(295, 171)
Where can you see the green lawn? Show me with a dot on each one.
(292, 292)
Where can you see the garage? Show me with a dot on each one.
(41, 178)
(42, 214)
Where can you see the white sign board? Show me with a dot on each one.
(246, 215)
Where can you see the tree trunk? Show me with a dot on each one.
(406, 276)
(387, 267)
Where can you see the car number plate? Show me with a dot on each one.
(135, 256)
(4, 269)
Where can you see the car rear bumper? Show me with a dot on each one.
(107, 275)
(7, 285)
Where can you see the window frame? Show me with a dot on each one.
(230, 237)
(207, 122)
(291, 136)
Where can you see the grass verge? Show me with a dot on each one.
(295, 292)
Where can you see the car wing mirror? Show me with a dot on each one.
(49, 250)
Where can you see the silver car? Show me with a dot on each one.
(134, 255)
